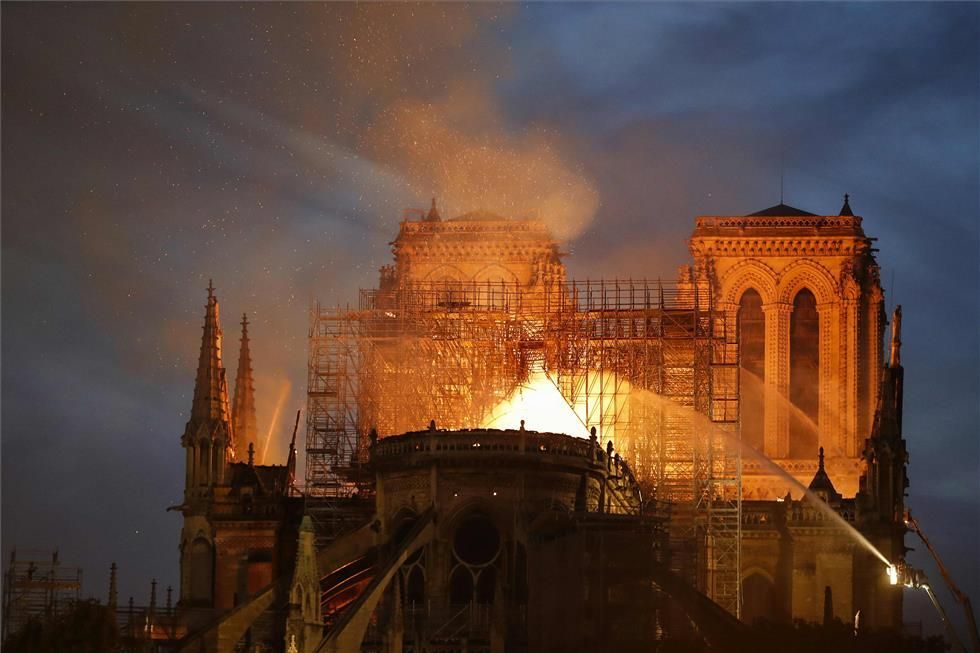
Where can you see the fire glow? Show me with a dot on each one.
(540, 404)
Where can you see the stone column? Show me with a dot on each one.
(873, 364)
(832, 346)
(776, 440)
(849, 398)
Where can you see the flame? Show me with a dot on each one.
(541, 405)
(599, 399)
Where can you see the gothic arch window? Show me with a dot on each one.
(446, 287)
(476, 549)
(216, 459)
(203, 462)
(520, 575)
(449, 293)
(491, 285)
(461, 586)
(413, 570)
(804, 375)
(192, 462)
(415, 585)
(201, 570)
(752, 353)
(758, 598)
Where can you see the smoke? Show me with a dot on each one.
(417, 97)
(457, 148)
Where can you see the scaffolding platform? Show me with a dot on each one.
(652, 366)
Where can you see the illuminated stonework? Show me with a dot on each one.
(475, 247)
(785, 255)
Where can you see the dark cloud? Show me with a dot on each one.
(149, 147)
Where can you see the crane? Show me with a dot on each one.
(961, 598)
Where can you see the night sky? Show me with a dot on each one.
(147, 148)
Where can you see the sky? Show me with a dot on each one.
(148, 148)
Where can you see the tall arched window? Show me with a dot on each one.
(752, 354)
(804, 375)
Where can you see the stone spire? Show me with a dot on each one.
(113, 589)
(208, 437)
(846, 209)
(210, 390)
(433, 214)
(885, 454)
(153, 598)
(888, 418)
(243, 407)
(821, 484)
(291, 459)
(895, 357)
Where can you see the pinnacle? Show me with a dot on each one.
(210, 390)
(243, 408)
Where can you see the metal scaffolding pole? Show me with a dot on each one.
(654, 367)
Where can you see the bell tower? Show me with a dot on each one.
(803, 292)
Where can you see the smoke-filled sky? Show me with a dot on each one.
(272, 147)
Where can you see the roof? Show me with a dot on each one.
(780, 210)
(268, 479)
(479, 216)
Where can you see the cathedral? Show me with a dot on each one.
(456, 536)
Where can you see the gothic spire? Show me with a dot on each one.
(210, 389)
(846, 209)
(895, 359)
(153, 597)
(888, 413)
(243, 408)
(208, 437)
(291, 459)
(885, 453)
(113, 590)
(433, 214)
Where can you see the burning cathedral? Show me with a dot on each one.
(498, 458)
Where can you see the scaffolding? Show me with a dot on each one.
(652, 366)
(36, 586)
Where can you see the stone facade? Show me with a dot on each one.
(530, 528)
(778, 253)
(477, 247)
(239, 519)
(570, 546)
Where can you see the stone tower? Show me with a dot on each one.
(478, 247)
(209, 445)
(804, 294)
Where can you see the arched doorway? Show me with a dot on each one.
(758, 598)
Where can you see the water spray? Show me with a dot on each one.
(818, 503)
